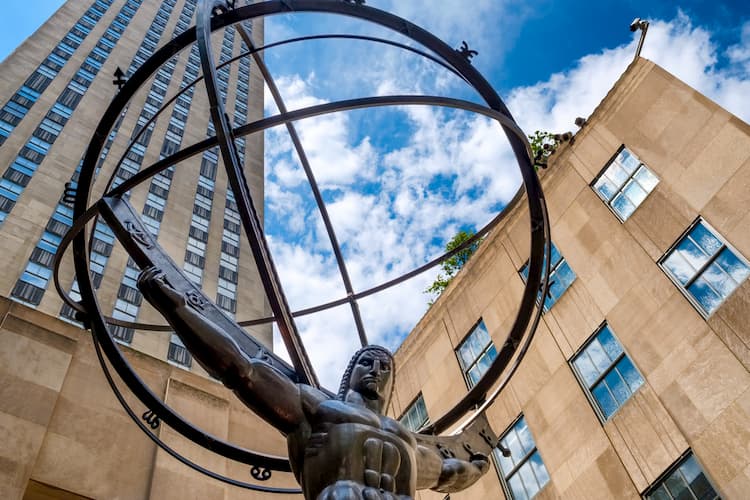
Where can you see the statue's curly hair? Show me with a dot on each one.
(345, 379)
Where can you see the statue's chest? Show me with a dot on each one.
(338, 412)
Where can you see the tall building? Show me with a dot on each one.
(63, 433)
(54, 88)
(637, 383)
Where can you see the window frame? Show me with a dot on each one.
(588, 388)
(659, 481)
(178, 352)
(552, 272)
(504, 484)
(608, 203)
(684, 288)
(484, 351)
(410, 407)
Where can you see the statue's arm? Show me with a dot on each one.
(265, 390)
(447, 475)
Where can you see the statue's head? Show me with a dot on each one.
(370, 373)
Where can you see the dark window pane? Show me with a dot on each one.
(629, 373)
(705, 239)
(611, 346)
(617, 386)
(660, 494)
(677, 486)
(737, 269)
(607, 403)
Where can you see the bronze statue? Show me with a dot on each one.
(339, 448)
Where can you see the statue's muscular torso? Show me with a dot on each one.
(384, 468)
(339, 449)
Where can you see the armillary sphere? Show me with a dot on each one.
(114, 209)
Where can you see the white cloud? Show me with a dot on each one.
(740, 53)
(685, 50)
(393, 204)
(326, 141)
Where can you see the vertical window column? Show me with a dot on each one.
(226, 295)
(19, 173)
(24, 98)
(103, 235)
(129, 301)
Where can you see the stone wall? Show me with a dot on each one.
(696, 393)
(65, 435)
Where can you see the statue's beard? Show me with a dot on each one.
(369, 390)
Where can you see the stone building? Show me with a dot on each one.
(623, 304)
(637, 381)
(62, 432)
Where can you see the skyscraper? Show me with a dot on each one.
(46, 120)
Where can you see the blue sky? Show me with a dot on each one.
(399, 182)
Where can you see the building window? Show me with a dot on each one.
(476, 353)
(685, 479)
(606, 372)
(415, 417)
(624, 184)
(705, 267)
(561, 276)
(177, 352)
(523, 473)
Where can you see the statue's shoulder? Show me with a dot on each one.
(312, 396)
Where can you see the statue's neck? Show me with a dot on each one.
(354, 397)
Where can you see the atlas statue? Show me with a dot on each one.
(339, 448)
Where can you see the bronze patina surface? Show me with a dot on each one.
(340, 447)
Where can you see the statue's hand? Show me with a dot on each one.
(153, 283)
(480, 461)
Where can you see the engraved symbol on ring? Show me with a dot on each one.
(151, 419)
(195, 299)
(260, 473)
(138, 234)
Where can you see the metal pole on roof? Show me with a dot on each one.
(639, 24)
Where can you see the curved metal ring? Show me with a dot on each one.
(535, 198)
(171, 451)
(278, 120)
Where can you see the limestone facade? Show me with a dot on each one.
(26, 223)
(695, 394)
(65, 436)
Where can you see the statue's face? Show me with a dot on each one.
(372, 375)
